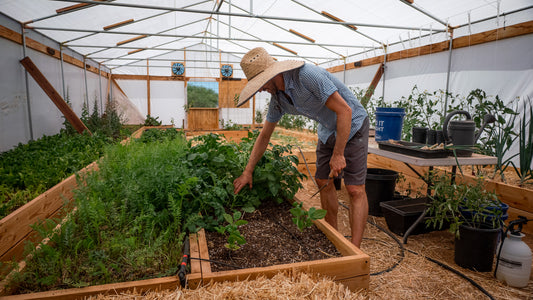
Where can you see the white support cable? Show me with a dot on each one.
(401, 41)
(498, 13)
(469, 23)
(431, 33)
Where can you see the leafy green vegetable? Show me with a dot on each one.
(304, 219)
(135, 211)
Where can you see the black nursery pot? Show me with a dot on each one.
(475, 247)
(380, 185)
(431, 137)
(419, 135)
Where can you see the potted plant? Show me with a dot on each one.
(475, 217)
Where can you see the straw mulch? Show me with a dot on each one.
(392, 276)
(281, 286)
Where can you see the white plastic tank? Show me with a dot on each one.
(514, 264)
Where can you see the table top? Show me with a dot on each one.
(475, 159)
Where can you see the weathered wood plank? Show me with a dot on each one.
(17, 226)
(195, 252)
(141, 286)
(350, 270)
(204, 252)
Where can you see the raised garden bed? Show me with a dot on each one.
(16, 228)
(271, 239)
(57, 198)
(350, 269)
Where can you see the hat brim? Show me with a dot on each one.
(262, 78)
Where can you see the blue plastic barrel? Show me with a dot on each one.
(389, 123)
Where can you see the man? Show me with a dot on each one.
(304, 89)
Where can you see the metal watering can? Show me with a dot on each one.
(462, 133)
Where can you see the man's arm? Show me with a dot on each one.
(338, 105)
(257, 152)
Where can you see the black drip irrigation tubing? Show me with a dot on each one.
(217, 262)
(402, 255)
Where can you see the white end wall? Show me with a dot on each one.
(46, 118)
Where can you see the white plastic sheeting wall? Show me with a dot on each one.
(492, 67)
(46, 119)
(167, 99)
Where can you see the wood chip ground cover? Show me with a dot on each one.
(271, 239)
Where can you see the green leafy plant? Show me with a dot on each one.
(229, 125)
(30, 169)
(462, 203)
(525, 143)
(235, 237)
(304, 219)
(134, 212)
(151, 121)
(503, 137)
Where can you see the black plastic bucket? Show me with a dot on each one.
(380, 185)
(475, 248)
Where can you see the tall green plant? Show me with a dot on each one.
(525, 144)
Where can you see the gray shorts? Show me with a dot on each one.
(355, 153)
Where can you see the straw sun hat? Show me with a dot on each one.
(259, 67)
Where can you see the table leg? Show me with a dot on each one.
(412, 227)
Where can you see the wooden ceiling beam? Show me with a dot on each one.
(302, 35)
(118, 24)
(135, 51)
(332, 17)
(75, 7)
(131, 40)
(285, 48)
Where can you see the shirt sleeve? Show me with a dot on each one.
(275, 112)
(317, 83)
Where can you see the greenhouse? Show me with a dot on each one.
(389, 143)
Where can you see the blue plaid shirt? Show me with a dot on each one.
(309, 87)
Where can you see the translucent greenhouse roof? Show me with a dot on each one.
(123, 34)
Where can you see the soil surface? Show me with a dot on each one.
(271, 239)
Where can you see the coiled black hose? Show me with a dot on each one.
(475, 284)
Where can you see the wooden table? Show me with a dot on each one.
(475, 159)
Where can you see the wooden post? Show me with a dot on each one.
(373, 84)
(54, 95)
(253, 113)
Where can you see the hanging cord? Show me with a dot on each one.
(475, 284)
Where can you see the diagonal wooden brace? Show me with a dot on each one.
(54, 95)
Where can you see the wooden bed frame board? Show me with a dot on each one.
(352, 269)
(16, 227)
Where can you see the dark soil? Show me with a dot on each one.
(271, 239)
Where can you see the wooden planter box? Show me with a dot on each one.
(230, 135)
(352, 269)
(15, 229)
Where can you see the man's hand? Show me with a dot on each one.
(336, 164)
(243, 180)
